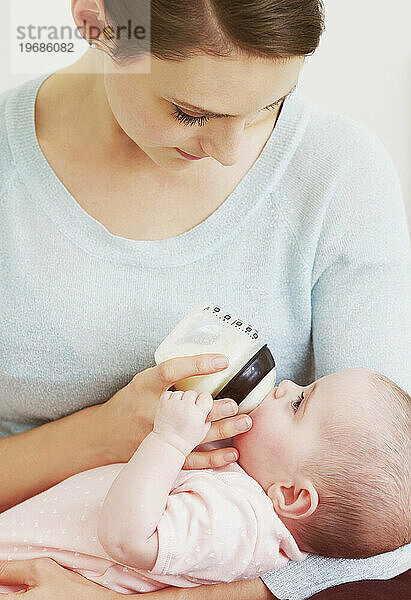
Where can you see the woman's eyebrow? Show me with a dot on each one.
(208, 113)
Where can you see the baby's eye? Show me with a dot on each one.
(296, 403)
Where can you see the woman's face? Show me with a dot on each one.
(153, 107)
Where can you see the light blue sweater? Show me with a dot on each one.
(311, 248)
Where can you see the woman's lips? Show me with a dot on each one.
(189, 156)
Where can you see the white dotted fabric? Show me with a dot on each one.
(219, 525)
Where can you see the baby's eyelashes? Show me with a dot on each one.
(296, 403)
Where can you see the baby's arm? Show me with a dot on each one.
(136, 500)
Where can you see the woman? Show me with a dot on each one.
(136, 185)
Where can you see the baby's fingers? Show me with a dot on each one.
(205, 402)
(222, 409)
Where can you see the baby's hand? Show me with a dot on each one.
(181, 419)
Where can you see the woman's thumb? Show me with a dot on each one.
(15, 572)
(167, 373)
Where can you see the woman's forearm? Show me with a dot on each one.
(252, 589)
(35, 460)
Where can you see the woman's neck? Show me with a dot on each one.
(77, 95)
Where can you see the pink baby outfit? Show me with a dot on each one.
(219, 525)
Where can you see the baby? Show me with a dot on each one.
(324, 469)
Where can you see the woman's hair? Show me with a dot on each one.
(278, 29)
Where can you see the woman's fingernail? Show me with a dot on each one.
(243, 424)
(230, 457)
(228, 409)
(219, 363)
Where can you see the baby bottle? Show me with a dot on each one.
(207, 329)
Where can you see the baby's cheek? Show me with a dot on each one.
(266, 433)
(250, 441)
(259, 418)
(240, 441)
(247, 444)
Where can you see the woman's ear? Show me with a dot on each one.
(293, 501)
(89, 18)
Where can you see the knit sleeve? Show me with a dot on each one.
(360, 318)
(301, 580)
(361, 276)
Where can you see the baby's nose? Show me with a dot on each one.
(286, 387)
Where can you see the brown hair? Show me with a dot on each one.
(278, 29)
(362, 475)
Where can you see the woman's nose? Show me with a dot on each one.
(223, 142)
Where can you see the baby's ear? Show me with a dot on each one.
(293, 501)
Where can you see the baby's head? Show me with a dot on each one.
(334, 457)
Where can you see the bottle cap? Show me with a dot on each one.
(246, 379)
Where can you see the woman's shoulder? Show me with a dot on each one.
(334, 157)
(339, 183)
(6, 159)
(16, 130)
(339, 143)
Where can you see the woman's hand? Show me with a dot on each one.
(130, 412)
(46, 580)
(250, 589)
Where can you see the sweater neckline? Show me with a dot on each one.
(46, 189)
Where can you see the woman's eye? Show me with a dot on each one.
(189, 120)
(185, 119)
(296, 403)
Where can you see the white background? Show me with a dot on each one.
(361, 69)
